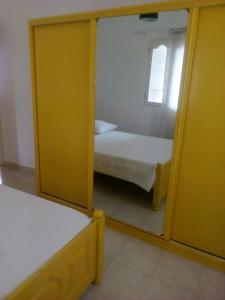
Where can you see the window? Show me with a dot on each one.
(157, 75)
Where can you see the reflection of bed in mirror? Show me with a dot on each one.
(138, 73)
(142, 160)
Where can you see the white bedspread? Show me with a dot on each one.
(131, 157)
(32, 230)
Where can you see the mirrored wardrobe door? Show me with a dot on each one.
(138, 71)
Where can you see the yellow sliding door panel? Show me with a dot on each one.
(64, 105)
(199, 219)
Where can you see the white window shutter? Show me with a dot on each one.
(157, 74)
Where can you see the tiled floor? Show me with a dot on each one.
(127, 202)
(136, 270)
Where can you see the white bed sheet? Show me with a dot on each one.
(131, 157)
(32, 230)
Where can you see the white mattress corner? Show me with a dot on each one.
(32, 230)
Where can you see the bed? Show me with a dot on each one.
(47, 251)
(142, 160)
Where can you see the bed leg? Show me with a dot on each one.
(156, 189)
(99, 218)
(156, 201)
(161, 184)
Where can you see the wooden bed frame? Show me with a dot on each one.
(160, 187)
(68, 273)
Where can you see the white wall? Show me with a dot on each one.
(122, 69)
(15, 83)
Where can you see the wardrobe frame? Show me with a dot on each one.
(193, 6)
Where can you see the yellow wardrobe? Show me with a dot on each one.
(199, 217)
(63, 69)
(63, 56)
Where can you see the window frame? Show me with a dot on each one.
(154, 44)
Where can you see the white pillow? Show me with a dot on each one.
(102, 126)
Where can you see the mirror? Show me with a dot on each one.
(138, 73)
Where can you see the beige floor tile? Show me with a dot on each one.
(22, 186)
(128, 203)
(107, 261)
(128, 216)
(178, 271)
(212, 285)
(29, 190)
(93, 294)
(106, 186)
(139, 255)
(157, 290)
(121, 282)
(154, 223)
(114, 241)
(110, 207)
(143, 211)
(18, 179)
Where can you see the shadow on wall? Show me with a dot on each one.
(7, 107)
(1, 142)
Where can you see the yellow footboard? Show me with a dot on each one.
(69, 273)
(161, 184)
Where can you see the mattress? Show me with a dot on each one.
(32, 230)
(131, 157)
